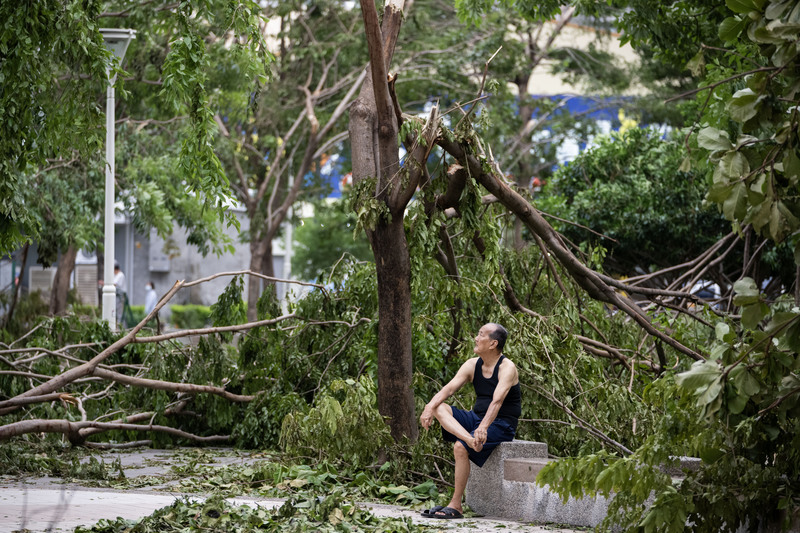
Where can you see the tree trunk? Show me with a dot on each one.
(58, 295)
(100, 275)
(395, 367)
(258, 249)
(373, 137)
(268, 269)
(17, 285)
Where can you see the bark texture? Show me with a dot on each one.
(258, 253)
(17, 284)
(58, 295)
(373, 136)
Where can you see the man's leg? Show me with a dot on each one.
(462, 475)
(444, 414)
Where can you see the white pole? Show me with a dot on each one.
(117, 41)
(109, 291)
(287, 260)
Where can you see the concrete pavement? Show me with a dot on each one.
(49, 505)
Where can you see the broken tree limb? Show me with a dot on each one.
(209, 331)
(585, 277)
(169, 385)
(73, 430)
(88, 367)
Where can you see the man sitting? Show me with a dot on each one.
(493, 418)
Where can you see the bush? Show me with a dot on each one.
(27, 313)
(191, 316)
(344, 425)
(260, 427)
(137, 314)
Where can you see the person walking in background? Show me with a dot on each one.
(150, 298)
(122, 294)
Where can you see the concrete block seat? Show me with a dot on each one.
(504, 487)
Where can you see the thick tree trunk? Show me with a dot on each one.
(258, 249)
(58, 295)
(373, 137)
(395, 393)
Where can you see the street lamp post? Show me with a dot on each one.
(117, 41)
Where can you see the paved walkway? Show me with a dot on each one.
(63, 509)
(46, 504)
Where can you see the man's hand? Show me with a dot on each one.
(480, 437)
(426, 418)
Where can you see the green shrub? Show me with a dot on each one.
(137, 314)
(27, 313)
(344, 425)
(260, 427)
(191, 316)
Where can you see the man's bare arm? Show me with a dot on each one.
(463, 376)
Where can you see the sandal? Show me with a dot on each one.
(447, 513)
(427, 513)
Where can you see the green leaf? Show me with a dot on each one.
(710, 397)
(736, 402)
(714, 139)
(722, 331)
(731, 28)
(776, 9)
(734, 165)
(745, 382)
(711, 455)
(761, 34)
(753, 314)
(784, 53)
(735, 205)
(719, 191)
(746, 292)
(701, 375)
(744, 105)
(791, 167)
(760, 212)
(697, 65)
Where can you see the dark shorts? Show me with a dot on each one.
(499, 431)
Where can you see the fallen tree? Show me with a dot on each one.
(81, 381)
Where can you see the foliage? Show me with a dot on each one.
(37, 121)
(260, 425)
(749, 130)
(41, 458)
(29, 310)
(737, 411)
(670, 31)
(325, 430)
(321, 240)
(229, 308)
(190, 316)
(206, 363)
(55, 56)
(327, 513)
(281, 477)
(630, 189)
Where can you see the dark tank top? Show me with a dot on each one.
(484, 392)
